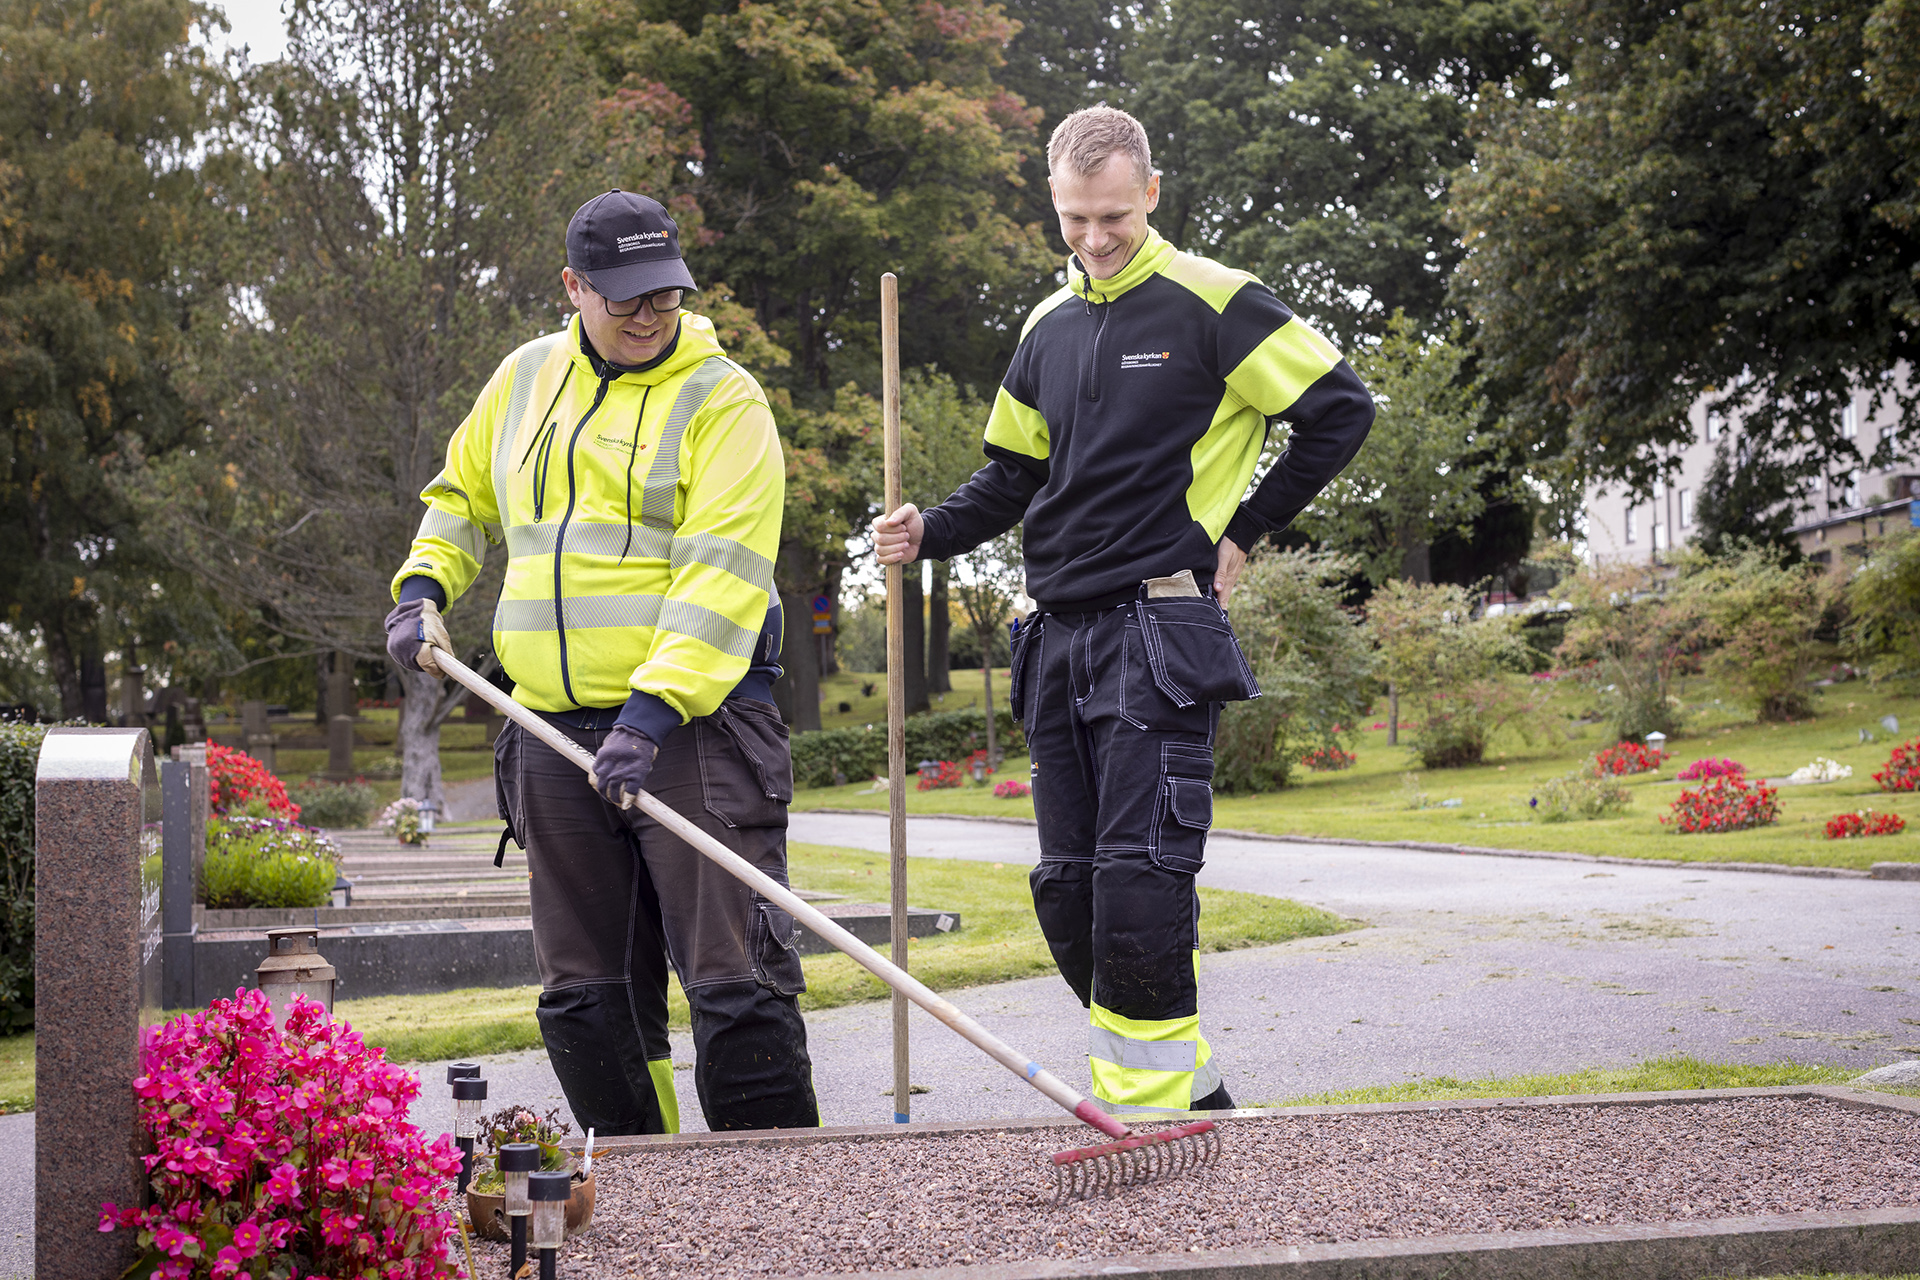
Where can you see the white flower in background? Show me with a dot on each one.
(1821, 770)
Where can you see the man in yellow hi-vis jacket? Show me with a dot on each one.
(635, 477)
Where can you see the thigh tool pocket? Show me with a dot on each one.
(1183, 811)
(1192, 652)
(1026, 647)
(746, 768)
(773, 946)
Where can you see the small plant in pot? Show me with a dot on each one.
(486, 1194)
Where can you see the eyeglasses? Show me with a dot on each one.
(661, 301)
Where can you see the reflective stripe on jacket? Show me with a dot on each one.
(640, 513)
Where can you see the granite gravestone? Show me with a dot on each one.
(256, 733)
(96, 971)
(195, 757)
(340, 749)
(179, 870)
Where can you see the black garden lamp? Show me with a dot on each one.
(549, 1192)
(516, 1161)
(460, 1071)
(468, 1093)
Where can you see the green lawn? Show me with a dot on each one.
(1657, 1075)
(871, 708)
(998, 941)
(1369, 801)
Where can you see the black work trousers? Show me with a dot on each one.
(616, 898)
(1119, 707)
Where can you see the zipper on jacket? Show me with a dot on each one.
(543, 441)
(560, 536)
(1093, 364)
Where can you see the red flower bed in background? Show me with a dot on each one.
(944, 774)
(234, 777)
(1011, 790)
(1724, 804)
(1842, 826)
(1902, 770)
(1328, 759)
(1623, 758)
(284, 1155)
(1701, 770)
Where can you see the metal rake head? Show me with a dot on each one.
(1085, 1172)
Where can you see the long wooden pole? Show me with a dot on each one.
(803, 911)
(896, 684)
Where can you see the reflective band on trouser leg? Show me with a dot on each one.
(661, 1069)
(1149, 1065)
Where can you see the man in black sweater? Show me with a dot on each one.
(1125, 434)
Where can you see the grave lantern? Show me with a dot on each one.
(549, 1192)
(468, 1094)
(342, 891)
(1657, 740)
(294, 967)
(979, 771)
(460, 1071)
(517, 1160)
(427, 809)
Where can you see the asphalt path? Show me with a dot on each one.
(1465, 965)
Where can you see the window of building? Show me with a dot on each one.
(1661, 541)
(1686, 508)
(1716, 427)
(1849, 421)
(1633, 525)
(1850, 496)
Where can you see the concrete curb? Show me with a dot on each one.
(1878, 1241)
(1881, 870)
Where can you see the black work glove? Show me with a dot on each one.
(412, 626)
(621, 766)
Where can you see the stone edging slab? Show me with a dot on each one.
(1881, 871)
(1879, 1241)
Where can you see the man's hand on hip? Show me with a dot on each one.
(411, 628)
(896, 538)
(1226, 571)
(621, 766)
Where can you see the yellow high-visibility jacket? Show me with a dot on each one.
(641, 516)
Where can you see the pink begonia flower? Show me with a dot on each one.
(226, 1263)
(246, 1238)
(172, 1241)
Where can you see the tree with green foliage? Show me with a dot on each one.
(109, 113)
(1740, 502)
(1416, 477)
(1765, 619)
(1450, 665)
(1715, 205)
(1311, 659)
(1633, 632)
(1883, 607)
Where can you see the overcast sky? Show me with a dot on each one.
(257, 24)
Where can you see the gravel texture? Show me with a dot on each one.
(830, 1207)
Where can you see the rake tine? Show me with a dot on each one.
(1134, 1161)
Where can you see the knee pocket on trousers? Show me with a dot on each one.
(1183, 809)
(773, 948)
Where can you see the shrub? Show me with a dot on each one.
(1701, 770)
(1724, 804)
(265, 862)
(1843, 826)
(341, 805)
(862, 753)
(1578, 795)
(234, 778)
(1902, 770)
(284, 1155)
(19, 754)
(1765, 618)
(1011, 789)
(1328, 759)
(1631, 634)
(1821, 770)
(1623, 758)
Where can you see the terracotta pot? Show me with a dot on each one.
(488, 1213)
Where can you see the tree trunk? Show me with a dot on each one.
(939, 629)
(914, 617)
(420, 736)
(993, 721)
(1393, 714)
(66, 672)
(830, 643)
(1416, 560)
(797, 692)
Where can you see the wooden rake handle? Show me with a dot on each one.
(772, 890)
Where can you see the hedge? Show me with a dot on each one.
(19, 754)
(858, 754)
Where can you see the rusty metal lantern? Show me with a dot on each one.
(294, 967)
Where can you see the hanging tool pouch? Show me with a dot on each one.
(1192, 652)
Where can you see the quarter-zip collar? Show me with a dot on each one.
(693, 345)
(1150, 259)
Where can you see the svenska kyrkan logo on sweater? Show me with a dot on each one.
(1145, 360)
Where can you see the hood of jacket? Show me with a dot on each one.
(1151, 258)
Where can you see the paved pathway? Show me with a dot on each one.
(1469, 965)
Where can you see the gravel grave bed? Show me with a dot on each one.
(942, 1199)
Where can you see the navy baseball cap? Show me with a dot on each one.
(626, 245)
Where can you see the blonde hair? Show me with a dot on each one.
(1084, 140)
